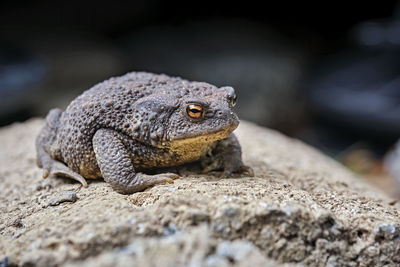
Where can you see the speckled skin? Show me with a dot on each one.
(136, 122)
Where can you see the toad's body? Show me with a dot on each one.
(141, 121)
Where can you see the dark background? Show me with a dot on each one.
(325, 72)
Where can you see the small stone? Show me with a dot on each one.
(66, 196)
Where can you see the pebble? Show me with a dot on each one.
(66, 196)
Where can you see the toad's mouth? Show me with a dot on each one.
(203, 138)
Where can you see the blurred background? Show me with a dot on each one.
(326, 72)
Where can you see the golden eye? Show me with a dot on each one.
(194, 111)
(232, 101)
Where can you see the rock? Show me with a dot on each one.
(301, 208)
(194, 247)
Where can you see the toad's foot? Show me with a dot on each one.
(53, 167)
(227, 170)
(140, 181)
(150, 180)
(226, 156)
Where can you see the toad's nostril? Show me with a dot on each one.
(220, 113)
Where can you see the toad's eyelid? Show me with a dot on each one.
(200, 102)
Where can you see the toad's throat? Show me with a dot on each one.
(189, 149)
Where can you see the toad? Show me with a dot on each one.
(126, 125)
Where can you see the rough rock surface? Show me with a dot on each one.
(302, 208)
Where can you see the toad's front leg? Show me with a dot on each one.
(226, 155)
(116, 167)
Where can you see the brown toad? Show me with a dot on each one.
(141, 121)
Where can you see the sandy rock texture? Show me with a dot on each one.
(302, 208)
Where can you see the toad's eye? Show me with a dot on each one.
(232, 101)
(195, 111)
